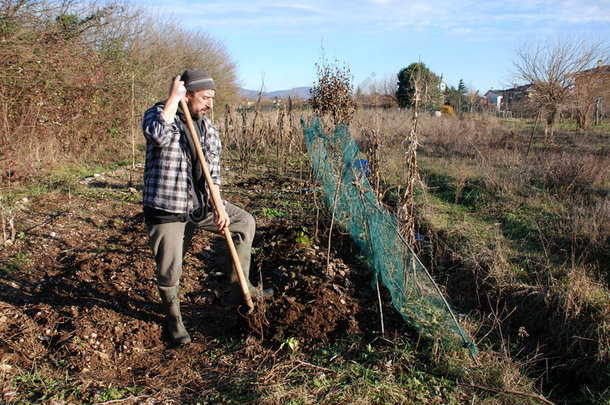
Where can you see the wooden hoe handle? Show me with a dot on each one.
(218, 204)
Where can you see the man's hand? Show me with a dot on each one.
(177, 89)
(176, 92)
(221, 219)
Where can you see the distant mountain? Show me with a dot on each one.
(295, 93)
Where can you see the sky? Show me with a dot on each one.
(276, 44)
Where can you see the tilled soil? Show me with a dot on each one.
(78, 294)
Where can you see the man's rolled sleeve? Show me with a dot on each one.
(156, 129)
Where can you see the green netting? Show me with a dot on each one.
(374, 229)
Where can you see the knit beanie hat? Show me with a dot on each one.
(197, 79)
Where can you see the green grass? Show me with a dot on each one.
(68, 175)
(474, 214)
(15, 264)
(468, 192)
(348, 370)
(36, 387)
(271, 213)
(57, 387)
(355, 371)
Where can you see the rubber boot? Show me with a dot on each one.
(171, 303)
(243, 252)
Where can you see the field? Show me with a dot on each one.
(516, 231)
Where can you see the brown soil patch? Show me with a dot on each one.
(78, 294)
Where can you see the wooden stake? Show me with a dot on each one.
(332, 220)
(133, 142)
(380, 307)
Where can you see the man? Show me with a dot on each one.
(176, 198)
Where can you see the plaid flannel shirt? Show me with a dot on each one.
(168, 174)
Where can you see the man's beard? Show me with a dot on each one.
(197, 114)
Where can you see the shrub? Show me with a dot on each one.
(447, 111)
(332, 94)
(72, 77)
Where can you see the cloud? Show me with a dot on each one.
(468, 19)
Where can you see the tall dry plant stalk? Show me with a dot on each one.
(244, 144)
(406, 210)
(280, 147)
(460, 181)
(229, 127)
(372, 148)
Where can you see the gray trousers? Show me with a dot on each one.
(170, 242)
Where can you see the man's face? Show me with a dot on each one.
(200, 102)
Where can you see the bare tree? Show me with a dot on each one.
(473, 95)
(550, 67)
(157, 56)
(590, 88)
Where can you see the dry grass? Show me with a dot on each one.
(528, 224)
